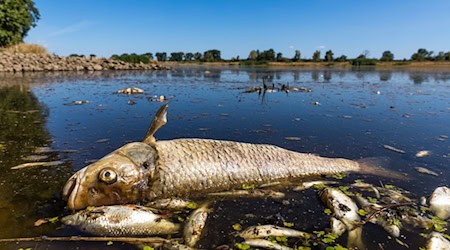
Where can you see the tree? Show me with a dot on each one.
(440, 56)
(342, 58)
(188, 56)
(161, 56)
(253, 55)
(387, 56)
(149, 55)
(198, 56)
(297, 56)
(316, 56)
(422, 55)
(17, 17)
(176, 56)
(279, 57)
(212, 55)
(329, 56)
(267, 55)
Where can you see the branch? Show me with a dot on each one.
(386, 207)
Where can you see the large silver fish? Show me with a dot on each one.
(150, 170)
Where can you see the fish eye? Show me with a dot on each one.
(107, 176)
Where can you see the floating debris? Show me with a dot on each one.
(309, 184)
(102, 140)
(442, 138)
(78, 102)
(158, 99)
(121, 220)
(425, 171)
(131, 102)
(440, 202)
(262, 131)
(38, 164)
(263, 231)
(292, 138)
(130, 91)
(423, 153)
(35, 157)
(315, 103)
(394, 149)
(203, 129)
(345, 116)
(41, 150)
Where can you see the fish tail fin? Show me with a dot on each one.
(377, 166)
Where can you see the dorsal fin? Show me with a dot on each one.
(159, 120)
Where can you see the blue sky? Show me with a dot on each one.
(106, 27)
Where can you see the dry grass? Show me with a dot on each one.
(26, 49)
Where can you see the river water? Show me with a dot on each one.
(359, 111)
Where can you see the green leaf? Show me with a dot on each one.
(338, 176)
(248, 186)
(424, 209)
(109, 243)
(242, 246)
(148, 248)
(53, 220)
(288, 224)
(192, 205)
(344, 188)
(339, 247)
(359, 181)
(319, 186)
(362, 212)
(388, 186)
(424, 235)
(372, 200)
(401, 243)
(329, 248)
(446, 236)
(327, 211)
(303, 248)
(237, 227)
(319, 233)
(281, 239)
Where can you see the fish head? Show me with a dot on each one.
(120, 177)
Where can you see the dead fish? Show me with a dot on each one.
(381, 219)
(292, 138)
(440, 202)
(345, 210)
(337, 227)
(367, 185)
(171, 204)
(126, 220)
(38, 164)
(194, 225)
(423, 153)
(150, 170)
(174, 245)
(35, 157)
(309, 184)
(425, 171)
(394, 149)
(267, 244)
(262, 231)
(130, 91)
(253, 193)
(437, 242)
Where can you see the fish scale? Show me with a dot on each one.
(187, 166)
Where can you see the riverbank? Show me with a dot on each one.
(380, 65)
(31, 62)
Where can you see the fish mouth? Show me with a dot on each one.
(73, 191)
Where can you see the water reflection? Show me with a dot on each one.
(359, 112)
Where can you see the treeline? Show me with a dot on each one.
(265, 56)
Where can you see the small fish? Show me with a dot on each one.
(394, 149)
(38, 164)
(194, 225)
(345, 210)
(130, 91)
(367, 185)
(170, 204)
(292, 138)
(253, 193)
(121, 220)
(440, 202)
(309, 184)
(437, 242)
(425, 171)
(262, 231)
(267, 244)
(423, 153)
(381, 219)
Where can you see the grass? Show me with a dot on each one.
(26, 49)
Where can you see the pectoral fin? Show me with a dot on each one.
(159, 120)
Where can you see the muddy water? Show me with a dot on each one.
(359, 112)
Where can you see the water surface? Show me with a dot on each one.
(359, 112)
